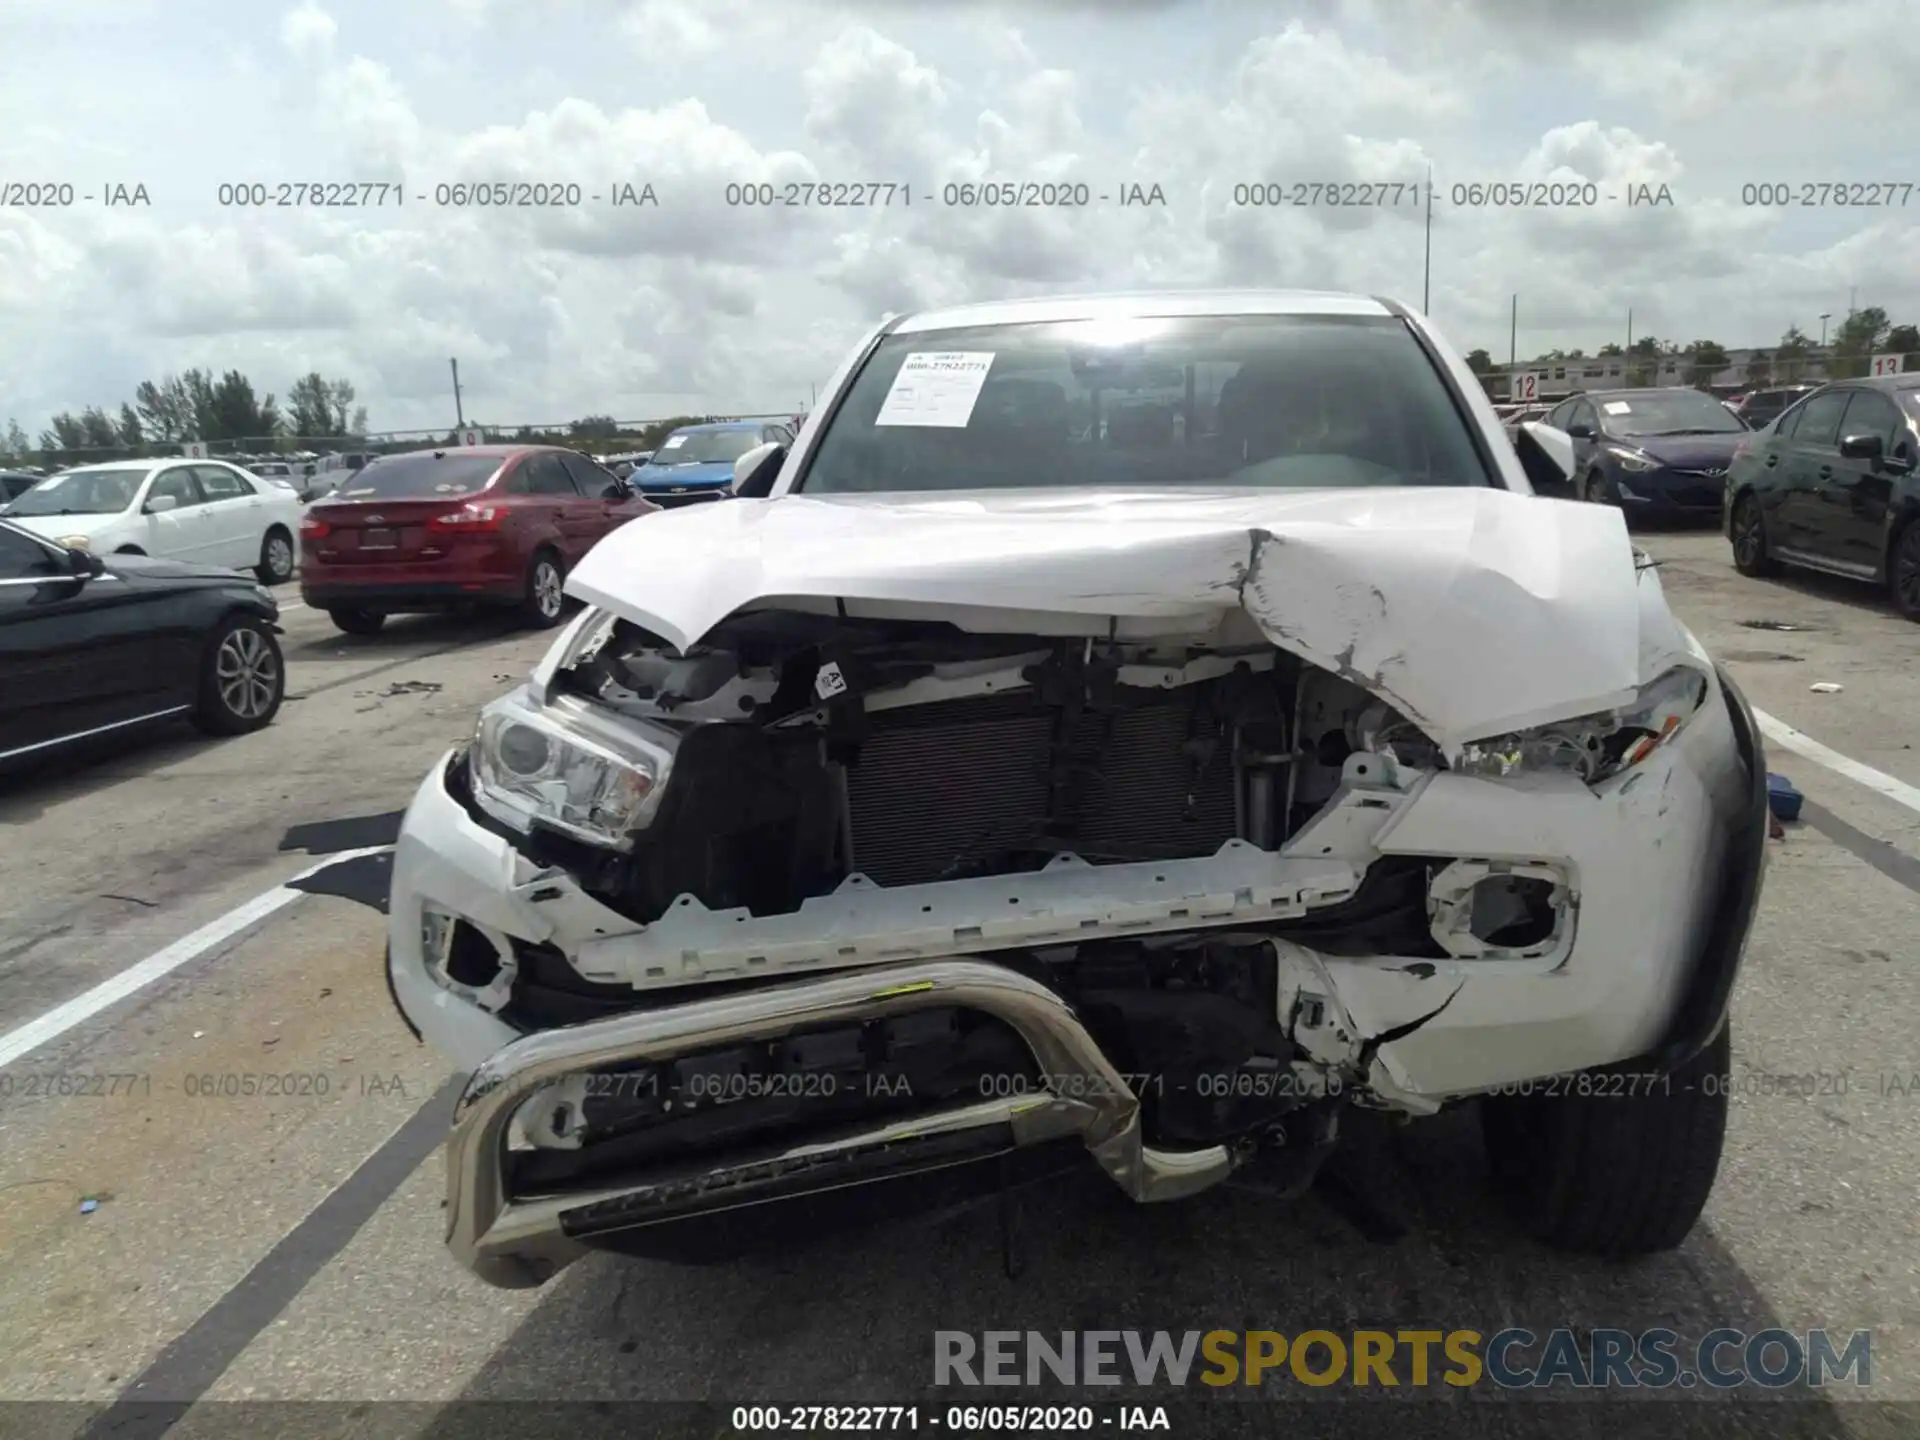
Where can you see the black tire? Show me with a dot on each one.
(356, 621)
(243, 678)
(276, 557)
(1748, 533)
(129, 550)
(1903, 571)
(1619, 1173)
(544, 604)
(1591, 489)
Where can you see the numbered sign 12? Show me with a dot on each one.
(1526, 388)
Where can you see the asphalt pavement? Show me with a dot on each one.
(169, 1236)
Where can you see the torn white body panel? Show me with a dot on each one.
(1634, 859)
(1474, 611)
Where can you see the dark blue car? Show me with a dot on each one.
(1657, 454)
(695, 462)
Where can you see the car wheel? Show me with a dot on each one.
(545, 601)
(1751, 555)
(358, 622)
(1590, 489)
(243, 678)
(129, 550)
(276, 558)
(1903, 571)
(1618, 1171)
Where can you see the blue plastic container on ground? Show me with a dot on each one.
(1783, 798)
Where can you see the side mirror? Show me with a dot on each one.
(755, 471)
(85, 565)
(1580, 430)
(160, 504)
(618, 490)
(1546, 454)
(1862, 447)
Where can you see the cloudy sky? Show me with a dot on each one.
(693, 304)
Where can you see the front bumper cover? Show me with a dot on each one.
(521, 1242)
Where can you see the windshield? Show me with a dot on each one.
(705, 447)
(425, 475)
(1668, 412)
(1261, 400)
(83, 492)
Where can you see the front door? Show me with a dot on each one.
(1850, 507)
(1808, 457)
(235, 522)
(180, 533)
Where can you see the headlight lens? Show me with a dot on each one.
(1632, 460)
(1594, 747)
(570, 767)
(77, 542)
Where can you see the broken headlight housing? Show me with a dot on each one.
(1594, 747)
(570, 767)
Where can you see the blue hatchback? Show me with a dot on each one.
(695, 462)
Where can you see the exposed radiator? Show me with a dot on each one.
(943, 790)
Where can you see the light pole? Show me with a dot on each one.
(459, 413)
(1513, 336)
(1825, 315)
(1426, 286)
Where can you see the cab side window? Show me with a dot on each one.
(1820, 424)
(1871, 413)
(547, 476)
(179, 483)
(217, 483)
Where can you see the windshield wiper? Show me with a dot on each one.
(1696, 430)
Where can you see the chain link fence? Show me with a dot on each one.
(301, 450)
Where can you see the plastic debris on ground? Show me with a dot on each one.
(1825, 687)
(88, 1206)
(1783, 798)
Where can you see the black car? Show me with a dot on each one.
(15, 483)
(95, 645)
(1831, 486)
(1657, 454)
(1760, 408)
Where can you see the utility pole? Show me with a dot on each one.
(1629, 331)
(1426, 285)
(459, 412)
(1824, 314)
(1513, 335)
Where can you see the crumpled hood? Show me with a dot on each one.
(1473, 611)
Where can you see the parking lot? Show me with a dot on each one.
(280, 1239)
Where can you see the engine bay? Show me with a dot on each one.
(811, 748)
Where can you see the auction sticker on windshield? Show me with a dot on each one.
(936, 389)
(674, 442)
(1617, 407)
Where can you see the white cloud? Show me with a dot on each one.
(698, 303)
(308, 32)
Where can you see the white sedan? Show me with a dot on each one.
(203, 511)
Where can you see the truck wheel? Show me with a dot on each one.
(242, 679)
(545, 601)
(1622, 1171)
(356, 621)
(1751, 556)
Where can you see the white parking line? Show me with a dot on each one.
(1785, 736)
(83, 1007)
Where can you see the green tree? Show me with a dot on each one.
(98, 432)
(17, 443)
(1644, 361)
(1794, 351)
(131, 434)
(1904, 340)
(65, 437)
(310, 406)
(1759, 368)
(1480, 362)
(166, 414)
(593, 427)
(1857, 341)
(1705, 359)
(1609, 350)
(237, 415)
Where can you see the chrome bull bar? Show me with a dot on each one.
(516, 1244)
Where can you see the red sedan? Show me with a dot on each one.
(446, 529)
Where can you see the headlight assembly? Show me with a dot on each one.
(1632, 461)
(1594, 747)
(567, 766)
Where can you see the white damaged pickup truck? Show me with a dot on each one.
(1130, 731)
